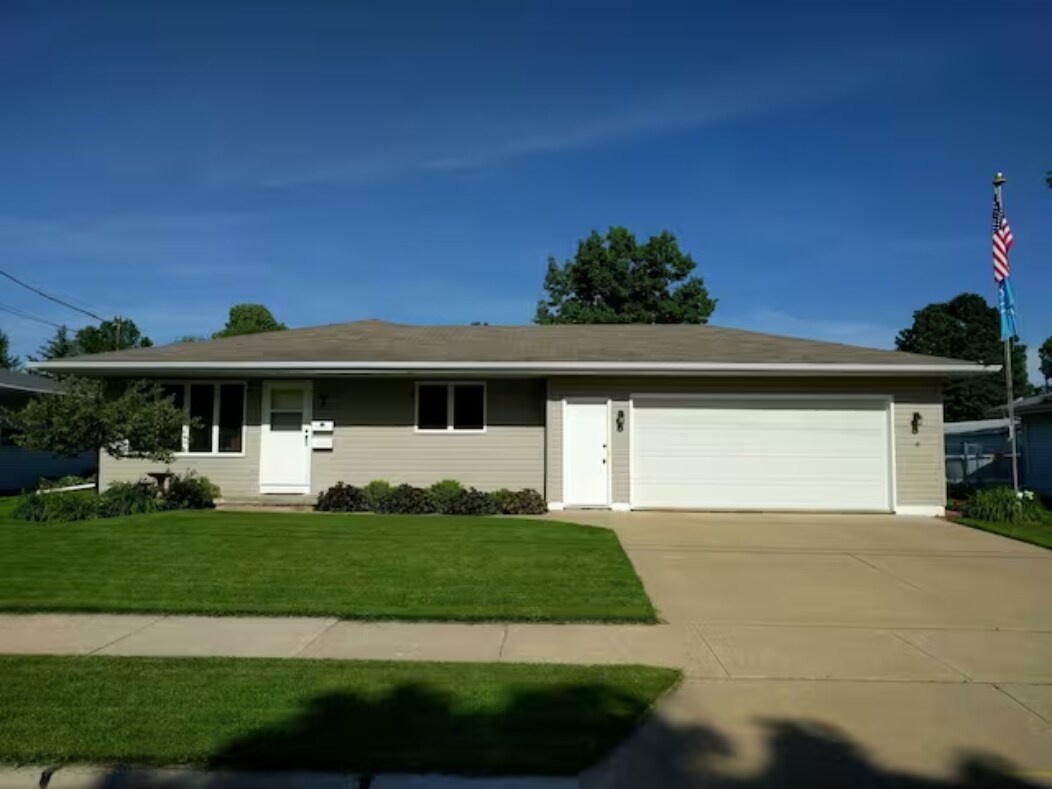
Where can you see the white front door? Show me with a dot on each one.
(585, 454)
(284, 462)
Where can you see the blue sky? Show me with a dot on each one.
(828, 165)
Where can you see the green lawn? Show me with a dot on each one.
(356, 567)
(1035, 533)
(319, 714)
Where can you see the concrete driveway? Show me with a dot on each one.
(842, 651)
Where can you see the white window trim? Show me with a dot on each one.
(449, 408)
(185, 440)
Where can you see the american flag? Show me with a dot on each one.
(1002, 240)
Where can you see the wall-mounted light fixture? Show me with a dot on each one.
(915, 423)
(322, 399)
(620, 421)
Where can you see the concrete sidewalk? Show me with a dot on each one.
(703, 651)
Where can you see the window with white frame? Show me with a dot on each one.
(451, 407)
(217, 411)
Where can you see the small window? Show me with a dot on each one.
(451, 407)
(432, 407)
(202, 413)
(469, 407)
(231, 417)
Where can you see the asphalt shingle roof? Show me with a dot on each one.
(372, 341)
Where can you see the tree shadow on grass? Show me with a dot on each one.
(555, 731)
(415, 728)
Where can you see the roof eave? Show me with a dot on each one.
(105, 368)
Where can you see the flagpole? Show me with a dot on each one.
(999, 180)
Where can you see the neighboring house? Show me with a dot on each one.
(619, 416)
(1035, 418)
(21, 468)
(978, 453)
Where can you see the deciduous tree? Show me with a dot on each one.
(249, 319)
(136, 422)
(967, 328)
(614, 279)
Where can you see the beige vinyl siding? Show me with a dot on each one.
(376, 438)
(236, 475)
(919, 466)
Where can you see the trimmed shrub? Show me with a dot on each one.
(407, 500)
(524, 502)
(473, 502)
(342, 498)
(1002, 505)
(375, 493)
(443, 492)
(190, 492)
(55, 507)
(128, 498)
(503, 498)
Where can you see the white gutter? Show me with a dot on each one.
(586, 368)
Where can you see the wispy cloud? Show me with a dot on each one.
(458, 140)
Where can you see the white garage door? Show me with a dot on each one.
(742, 453)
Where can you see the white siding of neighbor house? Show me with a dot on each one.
(1037, 453)
(375, 438)
(920, 473)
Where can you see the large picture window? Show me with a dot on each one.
(217, 411)
(451, 407)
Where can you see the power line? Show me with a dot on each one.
(25, 315)
(49, 297)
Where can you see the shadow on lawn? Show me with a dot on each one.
(562, 731)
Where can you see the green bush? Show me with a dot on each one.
(443, 492)
(473, 502)
(1002, 505)
(375, 493)
(407, 500)
(56, 507)
(190, 492)
(342, 498)
(524, 502)
(503, 497)
(128, 498)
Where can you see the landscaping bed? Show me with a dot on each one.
(320, 715)
(431, 567)
(1019, 516)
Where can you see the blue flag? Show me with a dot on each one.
(1006, 306)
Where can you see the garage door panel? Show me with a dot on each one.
(722, 454)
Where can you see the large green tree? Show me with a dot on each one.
(113, 335)
(1044, 353)
(615, 279)
(968, 328)
(7, 361)
(138, 421)
(249, 319)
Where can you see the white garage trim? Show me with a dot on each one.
(886, 402)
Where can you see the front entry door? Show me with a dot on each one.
(284, 462)
(585, 455)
